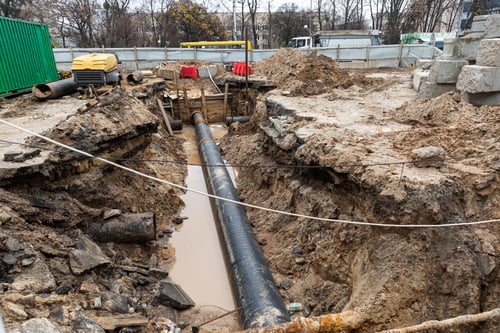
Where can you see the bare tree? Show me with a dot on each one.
(377, 13)
(352, 13)
(392, 31)
(13, 8)
(288, 22)
(252, 11)
(188, 21)
(79, 19)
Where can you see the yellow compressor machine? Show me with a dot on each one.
(96, 69)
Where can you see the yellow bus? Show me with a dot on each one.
(232, 44)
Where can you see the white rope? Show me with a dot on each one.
(243, 203)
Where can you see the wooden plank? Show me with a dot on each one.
(110, 323)
(165, 117)
(204, 105)
(186, 109)
(224, 111)
(177, 89)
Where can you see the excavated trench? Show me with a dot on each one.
(391, 277)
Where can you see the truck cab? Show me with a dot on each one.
(338, 38)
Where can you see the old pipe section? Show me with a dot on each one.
(54, 89)
(252, 282)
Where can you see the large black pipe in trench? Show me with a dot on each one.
(253, 285)
(54, 89)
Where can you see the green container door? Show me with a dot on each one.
(26, 57)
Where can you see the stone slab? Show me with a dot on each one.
(446, 71)
(488, 53)
(433, 89)
(423, 63)
(479, 79)
(207, 71)
(462, 48)
(482, 98)
(492, 26)
(419, 77)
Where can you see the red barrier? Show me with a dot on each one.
(188, 72)
(239, 68)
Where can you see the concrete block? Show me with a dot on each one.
(204, 71)
(463, 48)
(492, 26)
(488, 53)
(446, 71)
(167, 74)
(482, 98)
(479, 79)
(448, 46)
(419, 77)
(479, 23)
(423, 63)
(432, 89)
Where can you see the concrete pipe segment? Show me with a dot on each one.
(253, 285)
(54, 89)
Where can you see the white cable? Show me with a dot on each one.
(243, 203)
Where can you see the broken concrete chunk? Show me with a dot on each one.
(9, 259)
(426, 157)
(37, 278)
(115, 303)
(479, 79)
(174, 296)
(13, 244)
(37, 325)
(10, 155)
(83, 324)
(32, 153)
(487, 54)
(15, 311)
(111, 213)
(486, 264)
(86, 256)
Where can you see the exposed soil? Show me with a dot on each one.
(350, 146)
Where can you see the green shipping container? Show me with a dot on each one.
(26, 56)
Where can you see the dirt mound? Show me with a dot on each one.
(301, 75)
(445, 109)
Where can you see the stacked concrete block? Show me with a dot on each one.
(451, 71)
(442, 77)
(480, 83)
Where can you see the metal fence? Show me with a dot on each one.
(148, 57)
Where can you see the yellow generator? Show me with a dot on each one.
(96, 69)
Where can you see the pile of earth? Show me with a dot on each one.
(297, 74)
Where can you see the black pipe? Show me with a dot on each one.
(176, 124)
(239, 119)
(134, 78)
(54, 89)
(252, 282)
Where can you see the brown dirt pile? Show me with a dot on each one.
(300, 75)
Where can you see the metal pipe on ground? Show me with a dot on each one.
(239, 119)
(176, 124)
(55, 89)
(252, 282)
(135, 78)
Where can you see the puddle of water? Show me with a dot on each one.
(199, 266)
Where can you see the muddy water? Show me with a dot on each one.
(199, 267)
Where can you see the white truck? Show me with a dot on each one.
(338, 38)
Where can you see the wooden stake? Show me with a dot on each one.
(165, 117)
(226, 87)
(204, 105)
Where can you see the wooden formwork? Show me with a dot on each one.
(215, 107)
